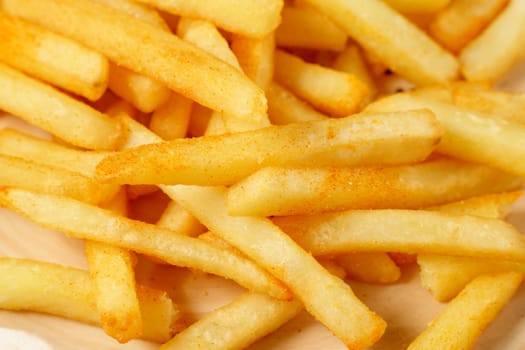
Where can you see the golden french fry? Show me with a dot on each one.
(285, 108)
(465, 317)
(292, 191)
(50, 179)
(178, 219)
(333, 267)
(67, 292)
(328, 298)
(480, 62)
(417, 6)
(463, 20)
(88, 222)
(225, 159)
(469, 135)
(156, 53)
(254, 19)
(137, 10)
(170, 121)
(53, 58)
(495, 206)
(331, 91)
(403, 47)
(236, 325)
(255, 57)
(306, 28)
(55, 112)
(369, 267)
(393, 230)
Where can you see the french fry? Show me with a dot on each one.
(170, 121)
(306, 28)
(157, 54)
(17, 144)
(469, 135)
(225, 159)
(479, 62)
(67, 292)
(121, 106)
(49, 179)
(393, 230)
(236, 325)
(333, 267)
(328, 298)
(137, 10)
(178, 219)
(461, 21)
(255, 57)
(465, 317)
(303, 190)
(254, 19)
(495, 206)
(200, 117)
(369, 267)
(285, 108)
(417, 6)
(55, 112)
(399, 44)
(333, 92)
(71, 216)
(53, 58)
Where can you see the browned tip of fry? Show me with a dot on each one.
(117, 326)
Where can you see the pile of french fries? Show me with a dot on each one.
(288, 146)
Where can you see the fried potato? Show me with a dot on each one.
(253, 18)
(88, 222)
(67, 292)
(480, 62)
(178, 219)
(469, 135)
(304, 190)
(405, 231)
(463, 20)
(306, 28)
(256, 56)
(330, 91)
(224, 159)
(56, 112)
(465, 317)
(53, 58)
(157, 54)
(327, 297)
(137, 10)
(236, 325)
(374, 267)
(170, 121)
(399, 44)
(417, 6)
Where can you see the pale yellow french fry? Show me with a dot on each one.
(285, 108)
(480, 62)
(333, 267)
(16, 144)
(463, 20)
(330, 91)
(89, 222)
(304, 27)
(255, 56)
(250, 18)
(328, 298)
(53, 58)
(137, 10)
(121, 106)
(236, 325)
(156, 53)
(56, 112)
(170, 121)
(352, 61)
(417, 6)
(465, 317)
(51, 179)
(225, 159)
(369, 267)
(205, 35)
(469, 135)
(178, 219)
(394, 230)
(398, 43)
(68, 292)
(305, 190)
(496, 103)
(495, 206)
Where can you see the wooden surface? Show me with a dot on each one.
(406, 306)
